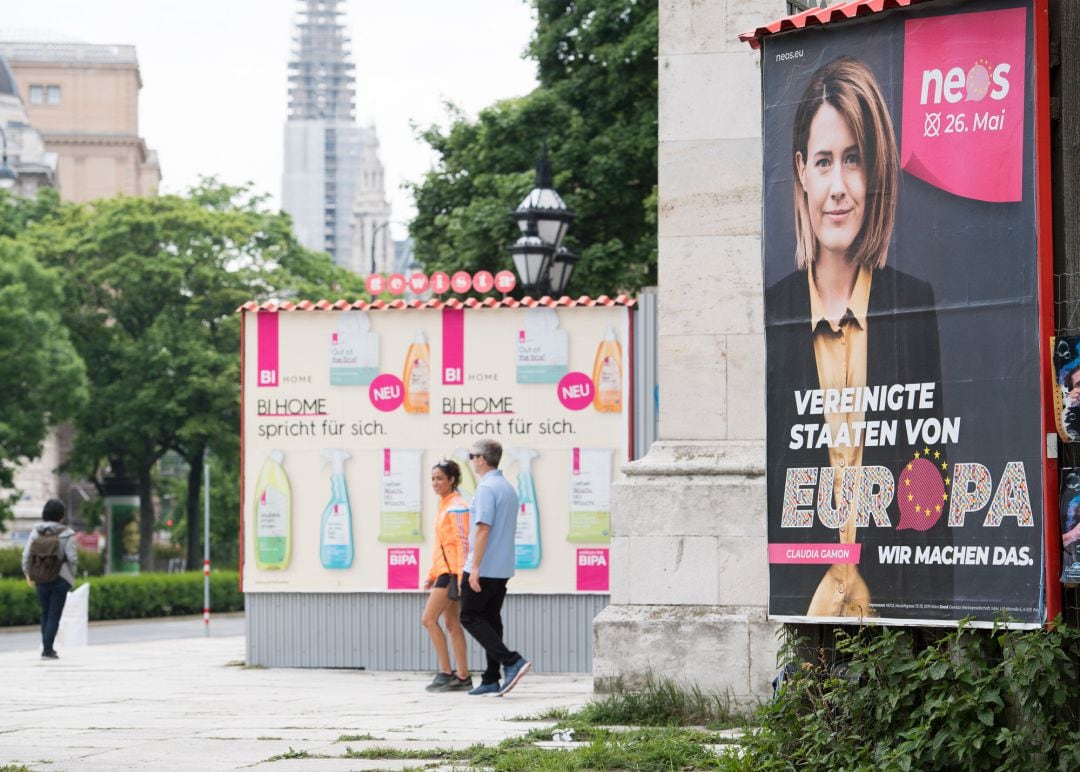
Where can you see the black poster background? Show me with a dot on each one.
(980, 260)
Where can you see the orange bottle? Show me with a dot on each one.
(607, 374)
(417, 376)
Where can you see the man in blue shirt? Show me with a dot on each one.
(489, 566)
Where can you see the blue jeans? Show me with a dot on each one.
(52, 596)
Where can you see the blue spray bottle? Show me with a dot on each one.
(527, 536)
(335, 535)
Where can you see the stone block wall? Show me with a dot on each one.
(689, 579)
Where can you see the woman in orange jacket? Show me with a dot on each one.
(443, 580)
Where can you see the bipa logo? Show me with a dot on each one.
(974, 85)
(402, 559)
(591, 559)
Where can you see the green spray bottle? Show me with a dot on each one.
(273, 515)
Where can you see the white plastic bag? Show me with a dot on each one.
(75, 621)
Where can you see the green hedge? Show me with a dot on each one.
(130, 597)
(90, 563)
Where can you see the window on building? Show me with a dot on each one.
(37, 95)
(53, 95)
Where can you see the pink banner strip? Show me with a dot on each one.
(453, 346)
(825, 554)
(386, 461)
(267, 360)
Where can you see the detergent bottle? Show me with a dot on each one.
(335, 535)
(273, 515)
(417, 376)
(607, 374)
(527, 535)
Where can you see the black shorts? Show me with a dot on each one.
(443, 580)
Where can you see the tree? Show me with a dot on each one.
(152, 286)
(596, 106)
(43, 379)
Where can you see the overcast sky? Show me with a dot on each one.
(214, 96)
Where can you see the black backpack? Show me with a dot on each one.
(46, 557)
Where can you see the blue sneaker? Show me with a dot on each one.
(513, 674)
(485, 689)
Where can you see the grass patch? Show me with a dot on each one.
(383, 753)
(551, 714)
(293, 754)
(662, 702)
(15, 768)
(666, 737)
(664, 748)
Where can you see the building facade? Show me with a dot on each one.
(84, 99)
(332, 184)
(23, 147)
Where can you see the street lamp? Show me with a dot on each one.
(7, 174)
(542, 263)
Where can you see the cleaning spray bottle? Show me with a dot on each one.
(467, 486)
(335, 536)
(527, 536)
(417, 375)
(273, 515)
(607, 374)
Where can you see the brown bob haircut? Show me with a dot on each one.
(850, 88)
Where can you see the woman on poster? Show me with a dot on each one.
(443, 580)
(845, 319)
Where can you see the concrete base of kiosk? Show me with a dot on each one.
(382, 631)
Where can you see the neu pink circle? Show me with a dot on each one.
(575, 391)
(387, 392)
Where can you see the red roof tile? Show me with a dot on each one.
(378, 305)
(817, 16)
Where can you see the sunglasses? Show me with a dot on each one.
(475, 455)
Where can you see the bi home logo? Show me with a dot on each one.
(964, 102)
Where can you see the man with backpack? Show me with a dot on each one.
(49, 561)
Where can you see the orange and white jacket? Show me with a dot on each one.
(451, 536)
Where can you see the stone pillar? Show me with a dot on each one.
(689, 584)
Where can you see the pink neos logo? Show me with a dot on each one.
(963, 118)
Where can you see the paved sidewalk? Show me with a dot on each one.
(190, 704)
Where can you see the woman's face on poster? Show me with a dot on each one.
(833, 175)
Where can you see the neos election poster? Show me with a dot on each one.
(904, 439)
(345, 412)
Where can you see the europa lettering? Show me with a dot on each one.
(966, 488)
